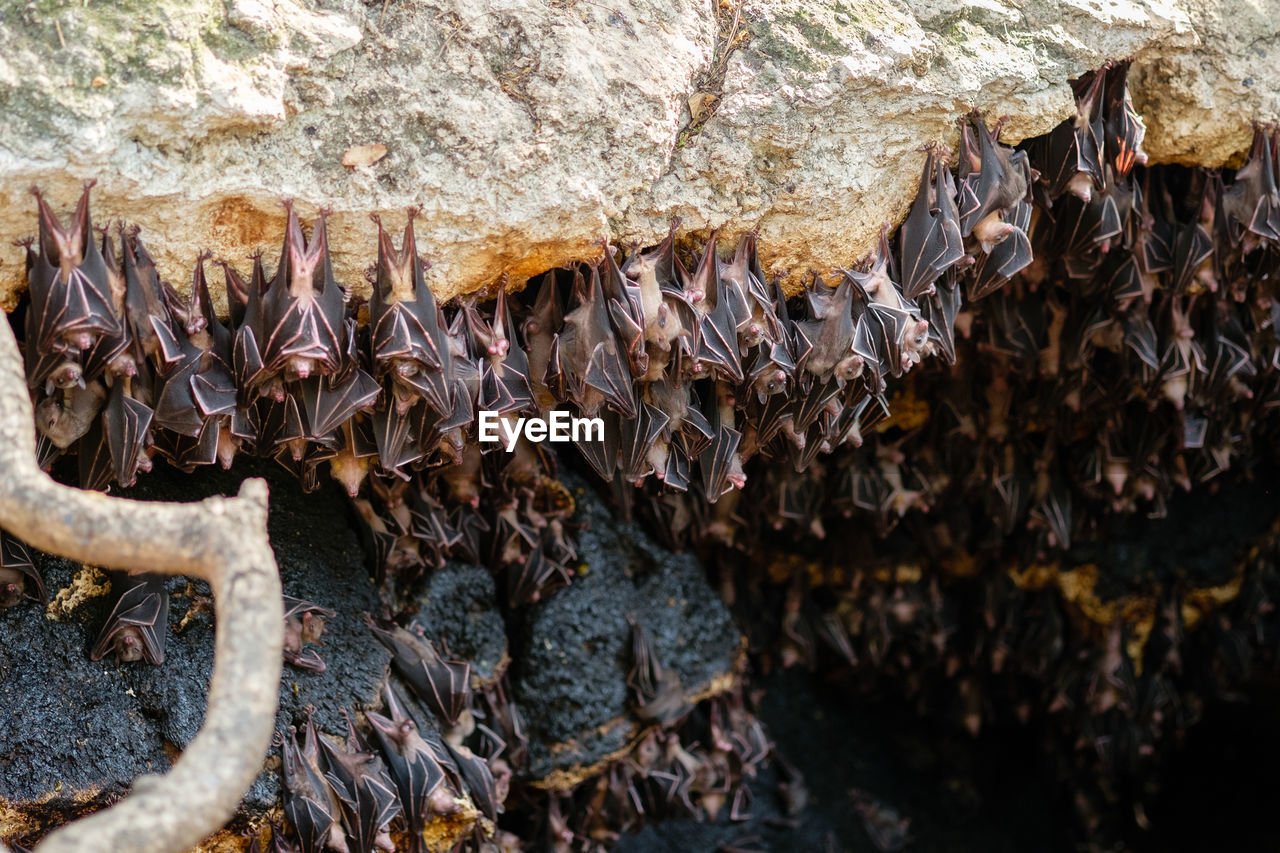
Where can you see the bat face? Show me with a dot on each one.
(139, 620)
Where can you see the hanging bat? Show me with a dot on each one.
(827, 340)
(412, 766)
(587, 361)
(535, 578)
(1252, 203)
(750, 298)
(444, 685)
(309, 803)
(993, 179)
(477, 778)
(125, 423)
(929, 241)
(657, 692)
(1124, 127)
(626, 312)
(940, 310)
(720, 463)
(504, 366)
(717, 340)
(71, 300)
(367, 800)
(16, 571)
(639, 436)
(1009, 257)
(406, 338)
(304, 624)
(139, 620)
(1069, 158)
(66, 416)
(669, 320)
(328, 401)
(540, 329)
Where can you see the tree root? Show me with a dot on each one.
(222, 540)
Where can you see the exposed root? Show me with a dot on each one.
(222, 540)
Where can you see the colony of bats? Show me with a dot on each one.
(1054, 334)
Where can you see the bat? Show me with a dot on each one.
(304, 624)
(657, 693)
(139, 620)
(587, 360)
(719, 462)
(827, 340)
(16, 571)
(750, 300)
(540, 329)
(504, 370)
(637, 437)
(940, 310)
(125, 424)
(406, 337)
(71, 299)
(626, 312)
(930, 242)
(717, 340)
(535, 578)
(66, 416)
(477, 778)
(1124, 127)
(444, 685)
(1072, 153)
(146, 310)
(412, 766)
(302, 307)
(366, 797)
(993, 179)
(309, 803)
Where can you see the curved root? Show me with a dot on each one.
(222, 540)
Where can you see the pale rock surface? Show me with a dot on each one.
(528, 130)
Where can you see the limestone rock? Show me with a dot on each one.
(528, 131)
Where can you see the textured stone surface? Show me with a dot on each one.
(572, 665)
(458, 610)
(527, 130)
(87, 729)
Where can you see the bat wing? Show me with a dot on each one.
(603, 454)
(328, 402)
(1140, 336)
(638, 436)
(716, 462)
(126, 422)
(607, 372)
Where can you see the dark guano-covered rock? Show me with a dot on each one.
(575, 653)
(82, 731)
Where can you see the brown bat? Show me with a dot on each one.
(444, 685)
(712, 300)
(310, 804)
(304, 624)
(993, 179)
(139, 620)
(587, 359)
(406, 334)
(16, 571)
(657, 692)
(412, 765)
(366, 797)
(930, 241)
(71, 300)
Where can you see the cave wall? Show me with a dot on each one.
(527, 131)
